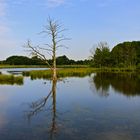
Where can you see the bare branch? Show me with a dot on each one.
(45, 49)
(50, 46)
(58, 32)
(36, 52)
(61, 46)
(63, 39)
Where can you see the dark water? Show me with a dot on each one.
(97, 107)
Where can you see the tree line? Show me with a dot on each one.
(60, 60)
(126, 54)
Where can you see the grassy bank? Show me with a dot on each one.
(11, 80)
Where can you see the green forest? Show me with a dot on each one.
(126, 54)
(61, 60)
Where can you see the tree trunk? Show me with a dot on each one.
(54, 78)
(54, 74)
(54, 59)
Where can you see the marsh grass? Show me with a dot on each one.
(61, 73)
(117, 70)
(74, 72)
(73, 66)
(11, 79)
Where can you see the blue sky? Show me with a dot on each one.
(88, 22)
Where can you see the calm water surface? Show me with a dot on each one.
(97, 107)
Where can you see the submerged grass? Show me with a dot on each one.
(11, 79)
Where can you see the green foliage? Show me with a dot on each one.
(64, 60)
(123, 55)
(37, 61)
(101, 55)
(126, 53)
(23, 60)
(61, 60)
(17, 60)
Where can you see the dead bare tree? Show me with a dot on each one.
(54, 30)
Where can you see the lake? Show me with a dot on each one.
(102, 106)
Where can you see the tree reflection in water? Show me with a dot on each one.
(124, 83)
(39, 105)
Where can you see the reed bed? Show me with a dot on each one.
(67, 72)
(74, 72)
(11, 79)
